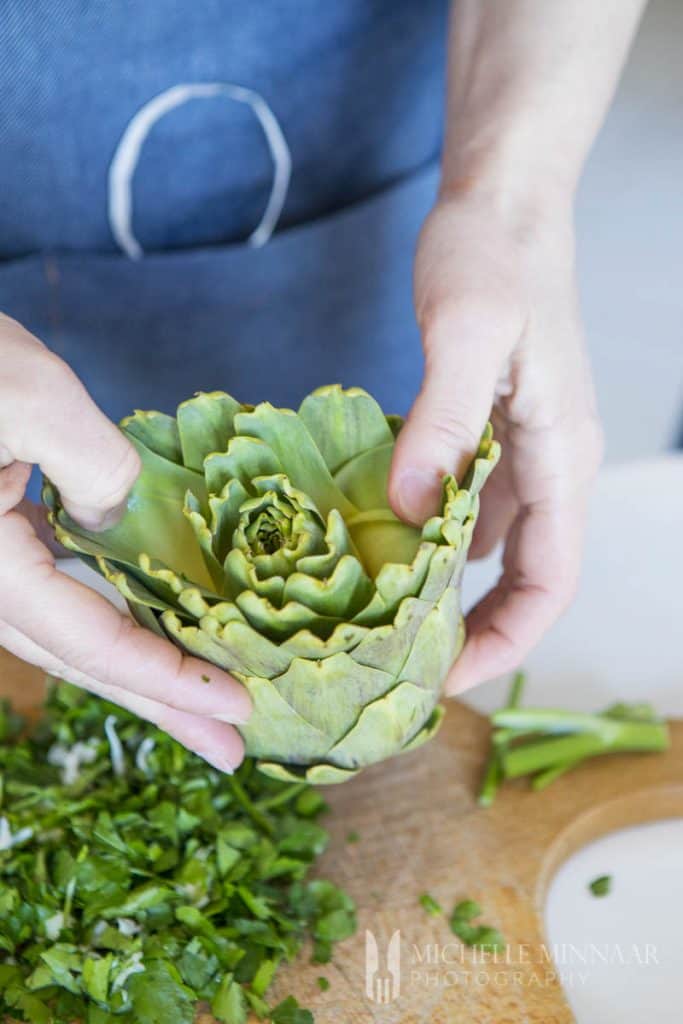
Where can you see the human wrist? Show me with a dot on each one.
(524, 196)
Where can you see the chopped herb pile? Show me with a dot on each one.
(136, 880)
(601, 885)
(544, 743)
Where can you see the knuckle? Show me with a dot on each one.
(450, 424)
(112, 486)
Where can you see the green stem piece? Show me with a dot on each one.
(544, 778)
(539, 755)
(493, 773)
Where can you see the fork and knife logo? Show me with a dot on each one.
(383, 985)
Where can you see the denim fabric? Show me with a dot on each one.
(356, 88)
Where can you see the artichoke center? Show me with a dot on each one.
(269, 531)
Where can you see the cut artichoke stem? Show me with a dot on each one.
(262, 540)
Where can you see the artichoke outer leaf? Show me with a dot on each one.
(384, 727)
(155, 522)
(280, 623)
(289, 440)
(483, 463)
(331, 694)
(364, 478)
(145, 616)
(430, 729)
(395, 423)
(440, 573)
(343, 423)
(316, 775)
(157, 432)
(235, 647)
(345, 637)
(246, 459)
(435, 646)
(341, 595)
(276, 730)
(205, 425)
(387, 647)
(134, 590)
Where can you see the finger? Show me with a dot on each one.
(464, 354)
(56, 424)
(37, 517)
(540, 574)
(219, 744)
(498, 513)
(84, 631)
(13, 482)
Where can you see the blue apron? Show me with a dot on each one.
(218, 194)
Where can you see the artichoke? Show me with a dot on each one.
(262, 540)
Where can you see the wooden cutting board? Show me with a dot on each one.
(420, 829)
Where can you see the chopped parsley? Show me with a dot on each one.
(136, 880)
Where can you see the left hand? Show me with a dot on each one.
(496, 303)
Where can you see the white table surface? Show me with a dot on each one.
(621, 639)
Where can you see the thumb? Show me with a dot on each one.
(445, 424)
(54, 423)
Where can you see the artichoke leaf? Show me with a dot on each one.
(337, 543)
(133, 589)
(240, 575)
(341, 595)
(280, 732)
(387, 647)
(246, 459)
(344, 423)
(345, 637)
(289, 440)
(235, 646)
(225, 516)
(154, 521)
(280, 623)
(157, 432)
(395, 582)
(316, 775)
(193, 512)
(436, 645)
(429, 730)
(384, 727)
(365, 477)
(346, 688)
(205, 425)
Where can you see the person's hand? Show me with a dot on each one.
(496, 303)
(47, 417)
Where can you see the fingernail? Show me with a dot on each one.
(217, 760)
(418, 494)
(95, 519)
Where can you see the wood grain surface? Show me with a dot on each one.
(421, 830)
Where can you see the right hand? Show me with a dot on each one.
(57, 623)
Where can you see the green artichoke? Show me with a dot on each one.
(262, 540)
